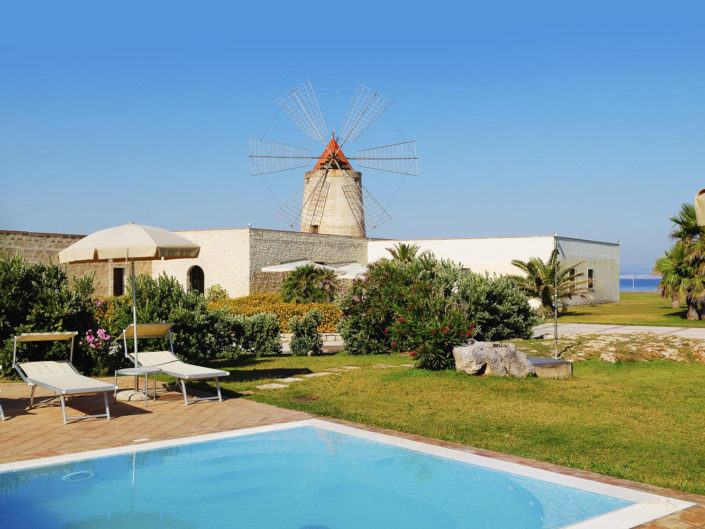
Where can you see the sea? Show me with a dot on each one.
(638, 284)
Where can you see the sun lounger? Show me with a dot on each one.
(167, 361)
(61, 377)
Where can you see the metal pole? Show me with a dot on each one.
(555, 297)
(134, 310)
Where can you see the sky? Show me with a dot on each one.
(531, 118)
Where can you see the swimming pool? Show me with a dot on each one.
(307, 475)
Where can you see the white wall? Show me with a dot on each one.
(491, 254)
(494, 255)
(602, 257)
(224, 258)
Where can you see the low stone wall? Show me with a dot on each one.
(328, 337)
(35, 247)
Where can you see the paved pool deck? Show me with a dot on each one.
(31, 434)
(597, 328)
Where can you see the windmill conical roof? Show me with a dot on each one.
(332, 154)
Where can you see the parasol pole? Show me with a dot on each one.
(134, 310)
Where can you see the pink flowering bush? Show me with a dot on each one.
(406, 306)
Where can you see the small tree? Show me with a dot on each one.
(541, 279)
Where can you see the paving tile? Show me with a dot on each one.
(318, 374)
(289, 379)
(272, 386)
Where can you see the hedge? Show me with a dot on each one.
(272, 303)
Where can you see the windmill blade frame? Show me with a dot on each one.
(267, 156)
(364, 108)
(397, 158)
(301, 105)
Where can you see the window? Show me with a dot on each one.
(118, 281)
(573, 274)
(196, 279)
(591, 279)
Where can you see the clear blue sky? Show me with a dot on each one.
(585, 119)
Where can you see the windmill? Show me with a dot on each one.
(333, 199)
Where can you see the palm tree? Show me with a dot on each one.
(541, 278)
(328, 282)
(308, 284)
(404, 252)
(682, 269)
(685, 225)
(674, 272)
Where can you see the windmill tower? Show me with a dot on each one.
(333, 199)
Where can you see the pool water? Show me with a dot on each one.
(296, 478)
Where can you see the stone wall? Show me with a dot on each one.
(272, 247)
(35, 247)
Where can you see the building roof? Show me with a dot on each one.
(333, 157)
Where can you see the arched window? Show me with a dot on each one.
(196, 281)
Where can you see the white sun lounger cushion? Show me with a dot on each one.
(62, 378)
(171, 365)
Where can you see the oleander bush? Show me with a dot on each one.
(406, 305)
(305, 339)
(257, 335)
(496, 306)
(427, 306)
(273, 304)
(39, 298)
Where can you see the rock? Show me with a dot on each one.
(272, 386)
(502, 359)
(608, 357)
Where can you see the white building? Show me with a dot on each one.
(234, 258)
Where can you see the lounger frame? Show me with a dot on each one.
(162, 330)
(60, 393)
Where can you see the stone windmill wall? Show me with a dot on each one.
(333, 202)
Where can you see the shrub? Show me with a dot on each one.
(199, 333)
(38, 298)
(258, 334)
(306, 339)
(496, 307)
(428, 306)
(308, 284)
(273, 304)
(406, 306)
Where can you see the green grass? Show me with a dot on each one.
(642, 421)
(635, 308)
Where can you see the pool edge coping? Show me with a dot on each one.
(647, 506)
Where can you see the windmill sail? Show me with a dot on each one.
(268, 156)
(301, 106)
(365, 107)
(374, 212)
(395, 158)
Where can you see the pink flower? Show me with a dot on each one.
(400, 320)
(100, 346)
(386, 332)
(92, 346)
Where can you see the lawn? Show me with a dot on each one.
(642, 421)
(635, 308)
